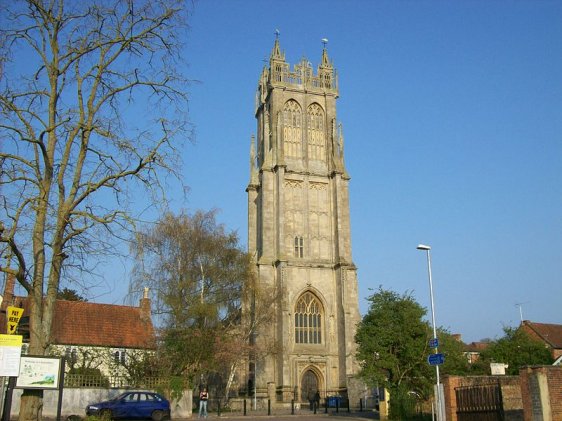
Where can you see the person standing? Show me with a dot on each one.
(316, 401)
(203, 398)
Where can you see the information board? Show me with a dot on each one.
(39, 373)
(10, 352)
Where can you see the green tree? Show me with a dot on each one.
(92, 106)
(517, 349)
(393, 348)
(69, 295)
(392, 343)
(456, 362)
(202, 279)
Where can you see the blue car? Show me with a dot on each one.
(133, 405)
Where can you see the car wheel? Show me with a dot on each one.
(106, 414)
(157, 416)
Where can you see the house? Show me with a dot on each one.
(550, 334)
(105, 337)
(473, 350)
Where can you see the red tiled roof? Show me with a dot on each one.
(549, 333)
(83, 323)
(476, 346)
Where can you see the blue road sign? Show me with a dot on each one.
(433, 343)
(436, 359)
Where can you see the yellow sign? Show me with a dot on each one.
(10, 340)
(10, 349)
(13, 316)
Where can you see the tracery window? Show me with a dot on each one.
(299, 247)
(292, 129)
(315, 130)
(308, 320)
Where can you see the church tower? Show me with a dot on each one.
(299, 234)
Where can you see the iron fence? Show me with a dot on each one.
(85, 380)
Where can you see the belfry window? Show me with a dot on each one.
(292, 126)
(299, 247)
(308, 320)
(315, 124)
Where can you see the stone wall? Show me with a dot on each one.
(541, 391)
(74, 401)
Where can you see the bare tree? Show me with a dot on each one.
(93, 108)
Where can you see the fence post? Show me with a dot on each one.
(337, 405)
(269, 407)
(219, 408)
(326, 405)
(244, 406)
(292, 407)
(360, 404)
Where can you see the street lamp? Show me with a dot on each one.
(440, 414)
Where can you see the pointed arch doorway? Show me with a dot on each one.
(309, 385)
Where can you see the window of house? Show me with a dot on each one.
(71, 354)
(119, 356)
(308, 320)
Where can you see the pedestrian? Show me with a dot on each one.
(203, 398)
(317, 399)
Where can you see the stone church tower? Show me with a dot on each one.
(299, 234)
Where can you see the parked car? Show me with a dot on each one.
(133, 405)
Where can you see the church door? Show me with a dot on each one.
(309, 385)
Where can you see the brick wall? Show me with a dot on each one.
(541, 392)
(510, 387)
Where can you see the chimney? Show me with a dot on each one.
(145, 306)
(9, 291)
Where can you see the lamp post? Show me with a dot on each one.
(440, 414)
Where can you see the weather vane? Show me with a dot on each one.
(324, 41)
(276, 33)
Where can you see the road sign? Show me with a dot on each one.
(436, 359)
(433, 343)
(14, 316)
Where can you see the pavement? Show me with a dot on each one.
(287, 416)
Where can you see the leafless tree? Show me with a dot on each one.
(93, 108)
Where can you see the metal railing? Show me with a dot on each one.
(87, 381)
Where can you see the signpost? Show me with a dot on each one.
(14, 315)
(433, 343)
(436, 359)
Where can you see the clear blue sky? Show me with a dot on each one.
(452, 116)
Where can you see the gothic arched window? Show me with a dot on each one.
(308, 320)
(292, 129)
(315, 130)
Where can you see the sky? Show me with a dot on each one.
(452, 117)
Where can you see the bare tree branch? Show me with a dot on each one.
(76, 77)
